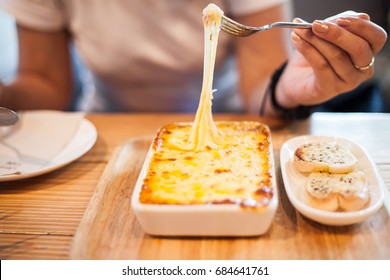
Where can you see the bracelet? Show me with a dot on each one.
(300, 112)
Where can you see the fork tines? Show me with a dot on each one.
(238, 29)
(235, 28)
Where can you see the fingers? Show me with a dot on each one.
(360, 25)
(343, 48)
(333, 58)
(358, 49)
(348, 14)
(339, 51)
(319, 61)
(375, 35)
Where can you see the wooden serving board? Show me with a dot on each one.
(108, 221)
(109, 229)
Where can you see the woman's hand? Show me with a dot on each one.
(335, 56)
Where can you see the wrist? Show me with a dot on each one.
(285, 112)
(282, 95)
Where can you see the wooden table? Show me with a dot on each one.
(39, 217)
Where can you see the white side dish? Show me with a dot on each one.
(294, 182)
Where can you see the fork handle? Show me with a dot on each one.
(299, 25)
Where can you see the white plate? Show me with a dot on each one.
(82, 142)
(294, 182)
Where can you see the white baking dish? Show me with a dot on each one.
(203, 219)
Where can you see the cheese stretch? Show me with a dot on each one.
(204, 131)
(207, 162)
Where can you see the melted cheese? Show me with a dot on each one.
(204, 131)
(206, 162)
(236, 171)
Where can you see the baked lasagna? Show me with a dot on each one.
(235, 170)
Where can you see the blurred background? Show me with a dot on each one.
(8, 47)
(306, 9)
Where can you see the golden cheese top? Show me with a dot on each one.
(236, 171)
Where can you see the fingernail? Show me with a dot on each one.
(364, 16)
(299, 20)
(295, 37)
(320, 26)
(343, 22)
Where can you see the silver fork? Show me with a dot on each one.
(237, 29)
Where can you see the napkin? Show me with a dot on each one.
(36, 139)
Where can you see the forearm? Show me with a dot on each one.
(260, 55)
(29, 92)
(44, 76)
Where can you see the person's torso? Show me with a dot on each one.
(146, 49)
